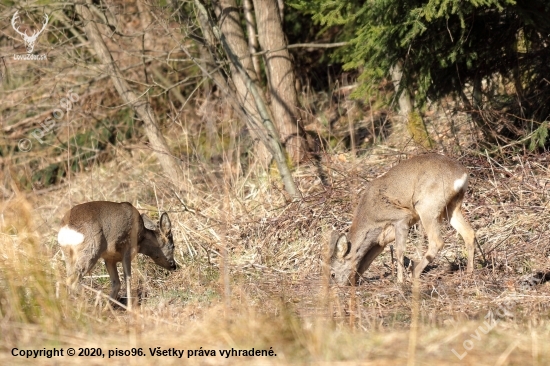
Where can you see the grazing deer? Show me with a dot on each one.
(426, 188)
(115, 232)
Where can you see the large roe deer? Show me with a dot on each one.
(426, 188)
(115, 232)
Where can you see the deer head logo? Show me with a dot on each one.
(29, 40)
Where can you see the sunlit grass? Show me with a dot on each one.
(277, 301)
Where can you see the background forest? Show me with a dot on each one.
(255, 124)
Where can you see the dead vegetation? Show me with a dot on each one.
(274, 294)
(252, 271)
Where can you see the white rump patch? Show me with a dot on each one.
(68, 236)
(460, 183)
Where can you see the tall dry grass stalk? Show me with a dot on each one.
(413, 333)
(28, 283)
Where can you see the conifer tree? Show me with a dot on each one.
(499, 48)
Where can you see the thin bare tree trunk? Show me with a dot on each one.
(476, 92)
(209, 62)
(405, 104)
(281, 4)
(229, 21)
(141, 106)
(251, 101)
(409, 118)
(281, 78)
(251, 30)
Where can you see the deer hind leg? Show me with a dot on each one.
(115, 280)
(127, 267)
(401, 233)
(459, 223)
(72, 277)
(430, 223)
(81, 266)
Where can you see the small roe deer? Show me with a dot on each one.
(426, 188)
(115, 232)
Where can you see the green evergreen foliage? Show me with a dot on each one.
(444, 45)
(539, 136)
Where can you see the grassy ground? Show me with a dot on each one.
(269, 292)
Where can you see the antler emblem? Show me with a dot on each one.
(29, 40)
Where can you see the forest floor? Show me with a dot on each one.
(270, 292)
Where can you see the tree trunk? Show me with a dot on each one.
(409, 118)
(250, 103)
(405, 104)
(141, 106)
(208, 63)
(251, 30)
(281, 78)
(229, 21)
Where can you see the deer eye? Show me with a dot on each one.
(333, 275)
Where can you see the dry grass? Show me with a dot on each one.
(271, 291)
(277, 295)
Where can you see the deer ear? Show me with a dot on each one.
(342, 246)
(332, 242)
(339, 244)
(165, 224)
(150, 225)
